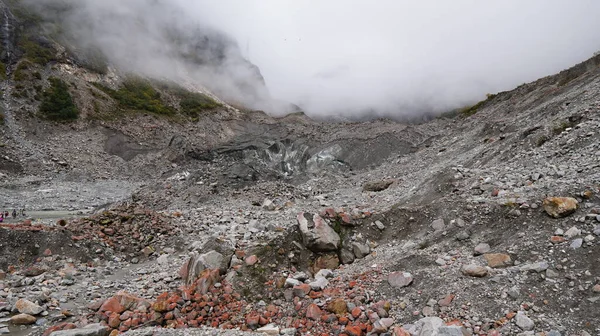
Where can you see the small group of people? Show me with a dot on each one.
(15, 214)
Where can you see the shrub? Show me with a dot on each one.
(57, 103)
(138, 94)
(21, 73)
(193, 103)
(2, 71)
(36, 52)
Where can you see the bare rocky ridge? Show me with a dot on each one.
(487, 224)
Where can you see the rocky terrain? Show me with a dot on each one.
(484, 221)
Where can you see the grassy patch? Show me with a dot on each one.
(471, 110)
(57, 103)
(36, 52)
(561, 127)
(138, 95)
(22, 71)
(193, 104)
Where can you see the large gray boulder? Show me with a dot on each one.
(199, 262)
(90, 330)
(317, 235)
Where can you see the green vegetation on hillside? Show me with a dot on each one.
(137, 94)
(57, 103)
(36, 52)
(193, 103)
(2, 71)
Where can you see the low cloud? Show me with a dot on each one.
(354, 58)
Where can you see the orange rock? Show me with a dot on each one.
(557, 239)
(498, 260)
(114, 321)
(353, 331)
(399, 331)
(356, 312)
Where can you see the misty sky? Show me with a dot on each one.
(344, 56)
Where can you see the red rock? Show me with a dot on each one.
(353, 331)
(596, 288)
(126, 315)
(47, 252)
(557, 239)
(343, 320)
(356, 311)
(252, 321)
(447, 300)
(121, 302)
(313, 312)
(109, 231)
(251, 260)
(498, 260)
(301, 290)
(346, 219)
(328, 318)
(114, 321)
(399, 331)
(495, 192)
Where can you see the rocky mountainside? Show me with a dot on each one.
(162, 207)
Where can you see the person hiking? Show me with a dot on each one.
(14, 213)
(1, 217)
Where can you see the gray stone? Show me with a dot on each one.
(572, 232)
(300, 276)
(400, 279)
(163, 259)
(268, 205)
(290, 282)
(550, 273)
(440, 261)
(319, 284)
(589, 238)
(576, 243)
(360, 250)
(452, 331)
(514, 292)
(324, 273)
(474, 271)
(380, 225)
(482, 248)
(523, 321)
(89, 330)
(438, 224)
(198, 263)
(428, 326)
(317, 235)
(535, 267)
(269, 329)
(4, 331)
(553, 333)
(288, 331)
(346, 256)
(463, 235)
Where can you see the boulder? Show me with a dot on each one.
(89, 330)
(428, 326)
(327, 261)
(400, 279)
(317, 235)
(377, 186)
(523, 321)
(474, 271)
(558, 207)
(481, 248)
(22, 319)
(27, 307)
(498, 260)
(346, 256)
(360, 250)
(123, 301)
(200, 262)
